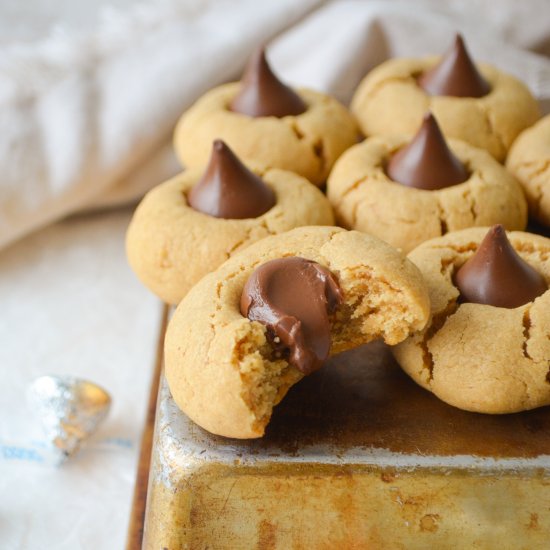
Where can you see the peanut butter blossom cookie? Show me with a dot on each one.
(267, 123)
(408, 191)
(273, 313)
(189, 225)
(487, 345)
(529, 161)
(477, 104)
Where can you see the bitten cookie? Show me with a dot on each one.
(475, 356)
(529, 161)
(307, 142)
(392, 99)
(364, 197)
(222, 368)
(170, 245)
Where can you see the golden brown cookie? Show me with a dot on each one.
(170, 246)
(474, 356)
(220, 367)
(308, 143)
(389, 101)
(365, 198)
(529, 161)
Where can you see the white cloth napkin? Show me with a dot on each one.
(87, 106)
(82, 113)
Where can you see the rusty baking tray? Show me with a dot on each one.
(356, 456)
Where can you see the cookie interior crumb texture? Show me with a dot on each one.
(220, 367)
(479, 357)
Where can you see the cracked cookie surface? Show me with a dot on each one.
(170, 246)
(365, 198)
(389, 101)
(221, 370)
(307, 144)
(478, 357)
(529, 161)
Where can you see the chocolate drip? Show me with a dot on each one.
(427, 162)
(496, 275)
(228, 189)
(263, 94)
(455, 75)
(294, 297)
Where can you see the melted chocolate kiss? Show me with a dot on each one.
(228, 189)
(497, 276)
(455, 75)
(293, 297)
(263, 94)
(427, 162)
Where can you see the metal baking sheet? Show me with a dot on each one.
(356, 456)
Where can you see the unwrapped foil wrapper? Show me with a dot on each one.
(70, 410)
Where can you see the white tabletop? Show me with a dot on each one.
(70, 305)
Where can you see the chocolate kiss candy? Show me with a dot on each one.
(228, 189)
(455, 75)
(427, 162)
(263, 94)
(70, 410)
(497, 276)
(293, 297)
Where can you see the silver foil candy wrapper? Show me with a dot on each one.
(70, 409)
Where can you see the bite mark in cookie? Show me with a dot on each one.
(294, 298)
(222, 367)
